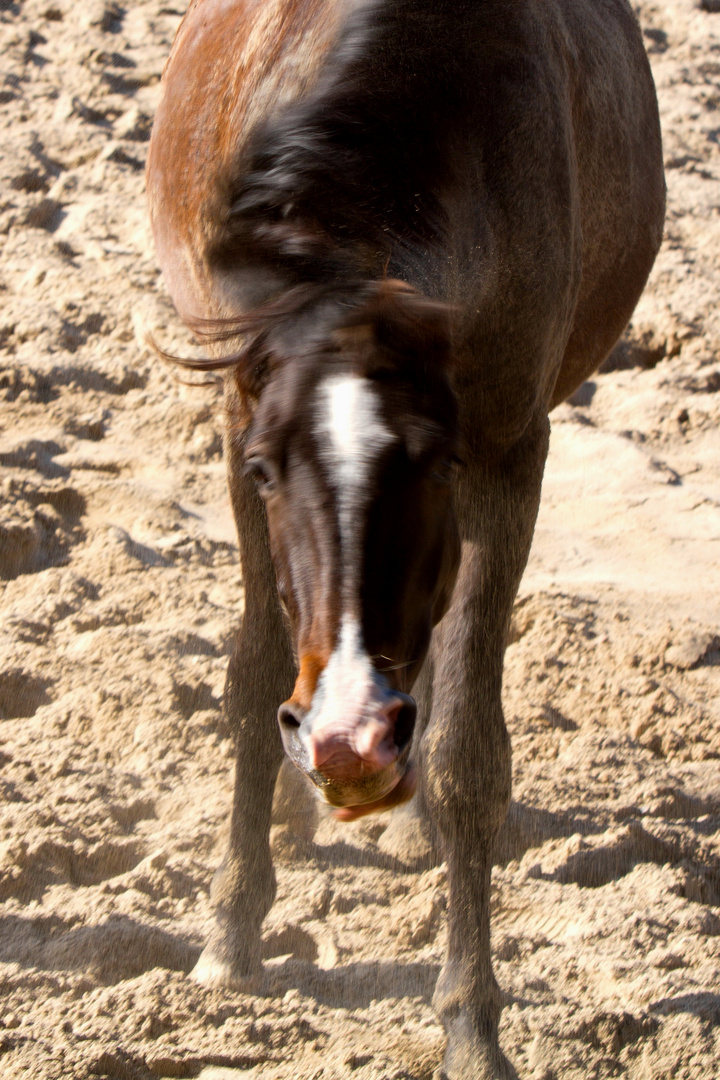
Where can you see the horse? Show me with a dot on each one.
(405, 230)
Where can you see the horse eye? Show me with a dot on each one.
(258, 469)
(443, 471)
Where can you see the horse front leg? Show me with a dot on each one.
(260, 676)
(466, 749)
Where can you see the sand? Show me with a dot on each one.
(120, 591)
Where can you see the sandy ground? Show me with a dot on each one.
(120, 591)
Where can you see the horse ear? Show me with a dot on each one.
(397, 329)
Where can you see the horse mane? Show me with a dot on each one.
(325, 196)
(325, 186)
(383, 326)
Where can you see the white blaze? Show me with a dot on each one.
(351, 436)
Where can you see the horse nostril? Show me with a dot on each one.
(289, 718)
(405, 724)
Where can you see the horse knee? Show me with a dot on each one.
(467, 780)
(254, 688)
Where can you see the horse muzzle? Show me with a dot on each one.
(357, 757)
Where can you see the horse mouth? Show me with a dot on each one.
(356, 792)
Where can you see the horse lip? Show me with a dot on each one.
(340, 799)
(367, 789)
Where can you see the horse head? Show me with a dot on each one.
(352, 444)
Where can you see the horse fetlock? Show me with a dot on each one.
(243, 894)
(465, 987)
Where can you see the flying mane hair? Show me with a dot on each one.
(324, 194)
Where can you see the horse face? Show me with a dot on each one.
(355, 464)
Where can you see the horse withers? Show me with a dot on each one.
(406, 229)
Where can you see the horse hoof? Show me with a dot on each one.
(473, 1053)
(216, 973)
(486, 1067)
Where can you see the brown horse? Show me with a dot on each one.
(406, 229)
